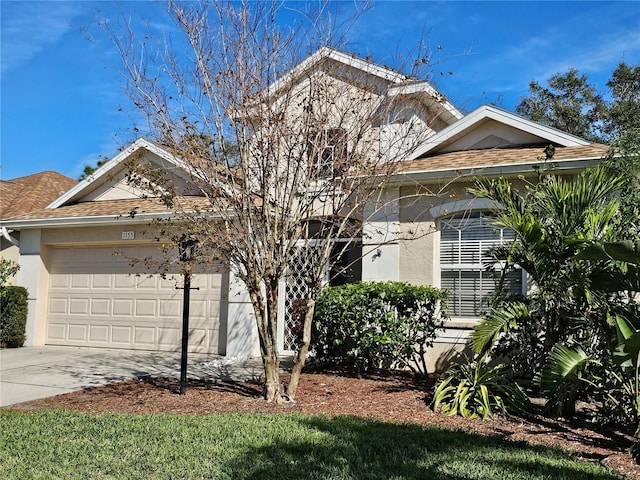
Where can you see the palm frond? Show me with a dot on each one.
(497, 321)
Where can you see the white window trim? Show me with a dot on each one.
(450, 209)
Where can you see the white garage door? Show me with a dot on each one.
(97, 299)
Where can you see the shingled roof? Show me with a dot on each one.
(499, 157)
(22, 195)
(122, 208)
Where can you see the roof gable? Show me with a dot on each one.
(109, 181)
(492, 127)
(390, 82)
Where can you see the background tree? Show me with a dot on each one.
(623, 159)
(569, 103)
(89, 169)
(286, 160)
(623, 114)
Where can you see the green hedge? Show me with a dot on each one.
(13, 315)
(370, 326)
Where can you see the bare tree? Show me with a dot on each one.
(290, 156)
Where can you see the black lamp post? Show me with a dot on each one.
(186, 249)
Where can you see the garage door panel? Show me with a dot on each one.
(79, 306)
(198, 338)
(213, 309)
(100, 306)
(198, 309)
(57, 331)
(80, 280)
(121, 335)
(102, 280)
(122, 307)
(99, 333)
(59, 281)
(145, 308)
(169, 337)
(124, 282)
(78, 333)
(146, 283)
(144, 335)
(170, 308)
(96, 299)
(57, 306)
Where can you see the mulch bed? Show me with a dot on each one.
(395, 398)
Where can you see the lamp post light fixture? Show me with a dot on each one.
(186, 250)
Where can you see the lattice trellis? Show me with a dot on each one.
(296, 290)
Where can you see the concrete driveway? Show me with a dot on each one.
(29, 373)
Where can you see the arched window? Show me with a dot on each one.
(466, 268)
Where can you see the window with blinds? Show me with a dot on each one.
(467, 269)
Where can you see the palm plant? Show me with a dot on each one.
(626, 354)
(477, 388)
(550, 219)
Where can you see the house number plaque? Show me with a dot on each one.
(128, 235)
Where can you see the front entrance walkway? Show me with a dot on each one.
(29, 373)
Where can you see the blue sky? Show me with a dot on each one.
(60, 98)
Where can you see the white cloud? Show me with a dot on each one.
(30, 27)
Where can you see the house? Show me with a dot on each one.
(22, 195)
(84, 290)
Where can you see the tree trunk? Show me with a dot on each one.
(301, 355)
(268, 344)
(272, 388)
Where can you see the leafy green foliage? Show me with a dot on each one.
(60, 444)
(496, 322)
(627, 356)
(624, 160)
(560, 378)
(8, 268)
(623, 114)
(368, 326)
(89, 170)
(475, 388)
(553, 221)
(569, 103)
(544, 217)
(13, 315)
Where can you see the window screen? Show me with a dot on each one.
(466, 267)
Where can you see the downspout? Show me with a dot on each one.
(10, 239)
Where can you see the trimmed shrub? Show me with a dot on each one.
(369, 326)
(13, 316)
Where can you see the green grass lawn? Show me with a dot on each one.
(54, 444)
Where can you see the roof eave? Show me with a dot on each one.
(419, 88)
(508, 170)
(92, 220)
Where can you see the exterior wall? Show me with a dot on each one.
(242, 331)
(419, 246)
(34, 277)
(114, 186)
(380, 238)
(9, 251)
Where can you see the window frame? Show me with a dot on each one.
(330, 151)
(479, 219)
